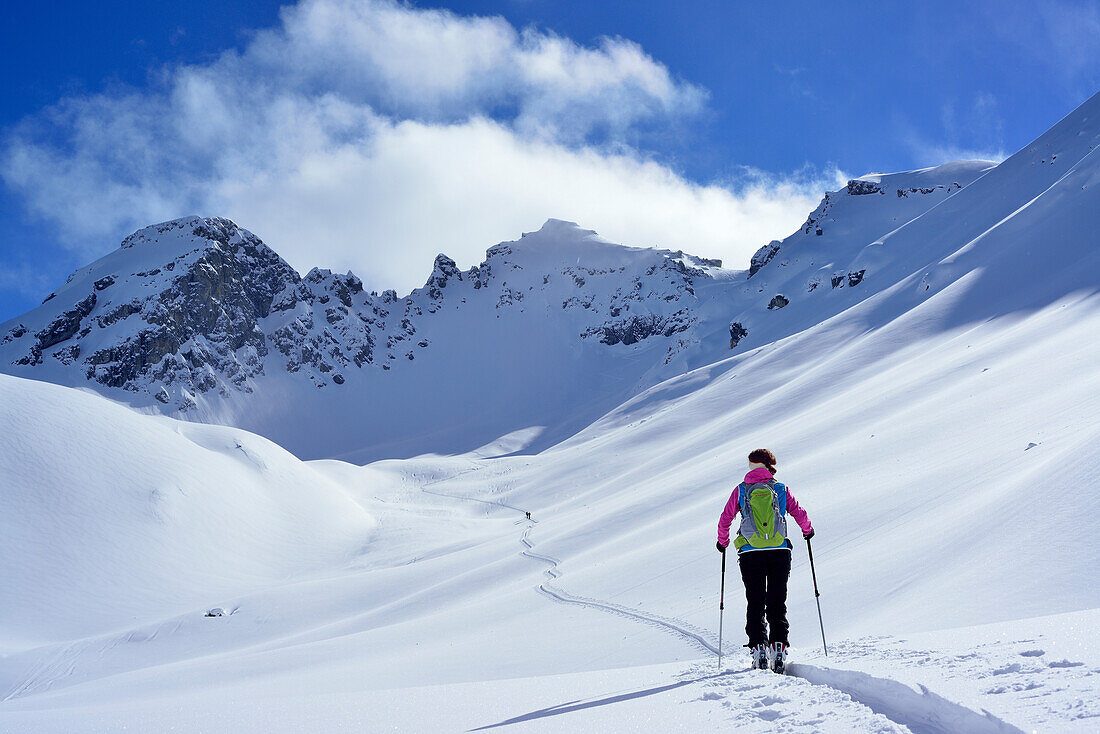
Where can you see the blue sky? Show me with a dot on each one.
(371, 135)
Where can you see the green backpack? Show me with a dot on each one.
(763, 516)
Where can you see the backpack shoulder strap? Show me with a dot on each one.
(780, 490)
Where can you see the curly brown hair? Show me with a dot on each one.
(765, 457)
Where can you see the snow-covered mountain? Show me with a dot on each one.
(925, 369)
(197, 318)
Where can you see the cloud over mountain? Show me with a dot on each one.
(373, 135)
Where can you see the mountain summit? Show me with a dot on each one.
(197, 318)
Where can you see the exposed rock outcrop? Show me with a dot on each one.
(737, 333)
(763, 256)
(863, 188)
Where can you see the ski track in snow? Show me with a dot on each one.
(690, 633)
(922, 713)
(892, 705)
(678, 627)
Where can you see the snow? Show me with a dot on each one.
(937, 419)
(133, 517)
(438, 623)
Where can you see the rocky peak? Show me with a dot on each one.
(155, 232)
(444, 267)
(194, 308)
(324, 285)
(180, 304)
(443, 270)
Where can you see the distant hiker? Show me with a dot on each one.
(528, 515)
(764, 555)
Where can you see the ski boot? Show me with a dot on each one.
(759, 657)
(778, 657)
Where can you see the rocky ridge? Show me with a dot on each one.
(224, 309)
(198, 318)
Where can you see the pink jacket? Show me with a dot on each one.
(732, 507)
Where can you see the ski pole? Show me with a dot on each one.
(721, 611)
(817, 596)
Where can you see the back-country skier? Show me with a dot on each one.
(764, 555)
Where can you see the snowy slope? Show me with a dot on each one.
(458, 614)
(938, 419)
(110, 518)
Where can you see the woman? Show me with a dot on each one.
(764, 555)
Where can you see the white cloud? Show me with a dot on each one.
(463, 187)
(434, 65)
(372, 135)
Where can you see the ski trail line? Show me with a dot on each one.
(683, 629)
(688, 632)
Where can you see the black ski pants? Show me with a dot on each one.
(765, 573)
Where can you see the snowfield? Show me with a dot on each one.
(110, 518)
(935, 409)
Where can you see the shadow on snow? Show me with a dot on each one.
(579, 705)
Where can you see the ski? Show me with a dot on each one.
(779, 658)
